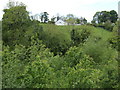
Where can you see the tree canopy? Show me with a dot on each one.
(103, 16)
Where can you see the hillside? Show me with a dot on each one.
(59, 59)
(40, 54)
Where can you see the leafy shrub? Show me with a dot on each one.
(84, 78)
(100, 51)
(57, 40)
(15, 63)
(79, 36)
(73, 56)
(88, 74)
(91, 64)
(115, 39)
(36, 74)
(11, 68)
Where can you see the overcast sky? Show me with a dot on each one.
(84, 8)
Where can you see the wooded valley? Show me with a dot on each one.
(40, 54)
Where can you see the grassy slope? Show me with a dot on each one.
(96, 32)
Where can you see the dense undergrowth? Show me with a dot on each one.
(36, 55)
(59, 59)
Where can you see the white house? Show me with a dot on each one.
(60, 22)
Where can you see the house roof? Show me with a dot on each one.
(60, 22)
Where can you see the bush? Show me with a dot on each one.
(79, 36)
(57, 40)
(17, 62)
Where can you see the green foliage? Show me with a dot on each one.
(57, 40)
(36, 55)
(36, 67)
(114, 16)
(44, 17)
(104, 16)
(11, 67)
(73, 56)
(100, 51)
(84, 78)
(115, 42)
(36, 74)
(79, 36)
(105, 19)
(17, 62)
(87, 73)
(115, 39)
(15, 18)
(15, 22)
